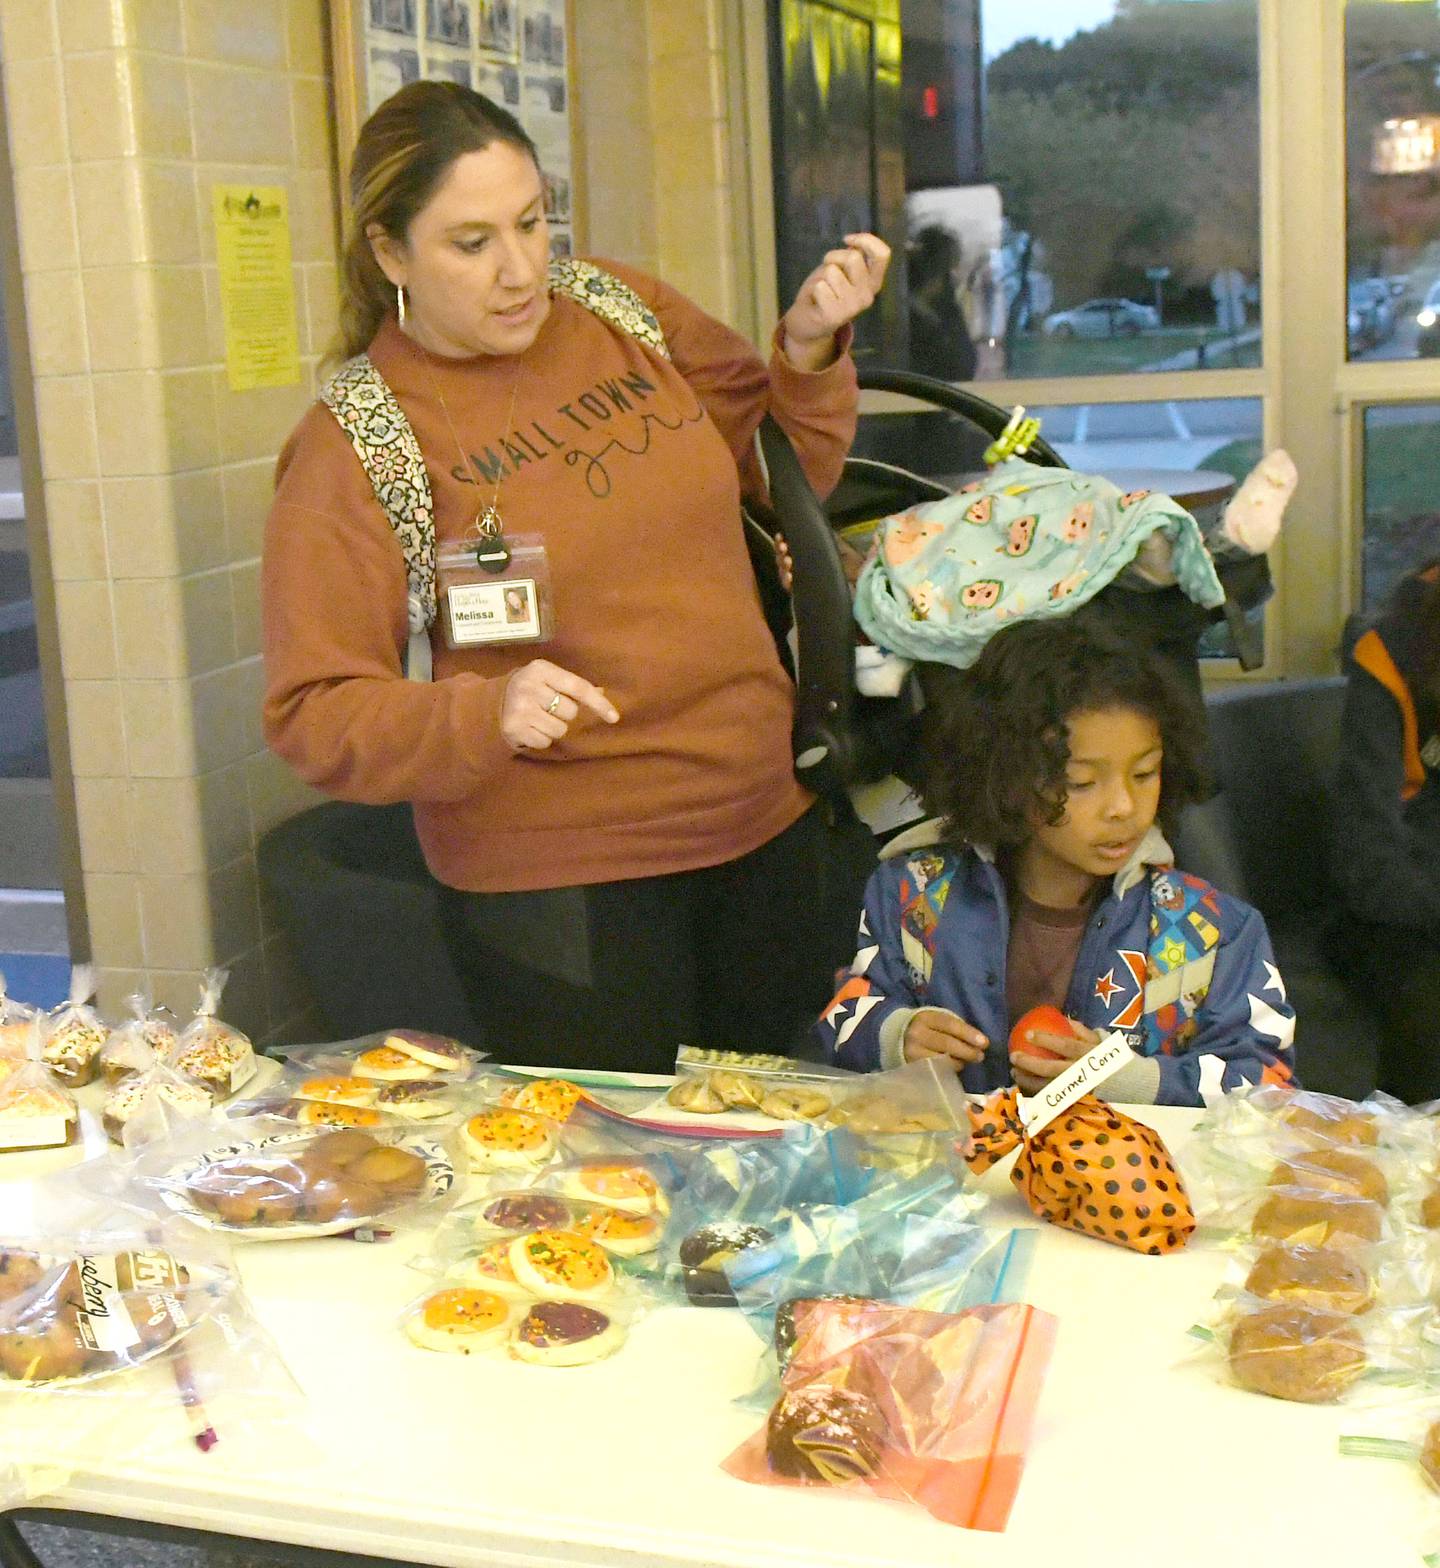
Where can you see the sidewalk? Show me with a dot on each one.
(1213, 353)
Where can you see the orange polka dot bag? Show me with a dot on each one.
(1091, 1169)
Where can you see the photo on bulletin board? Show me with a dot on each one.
(516, 52)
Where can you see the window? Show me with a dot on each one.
(1402, 498)
(1392, 114)
(1116, 228)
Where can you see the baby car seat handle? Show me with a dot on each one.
(824, 622)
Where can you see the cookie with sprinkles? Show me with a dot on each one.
(461, 1319)
(503, 1139)
(562, 1265)
(566, 1334)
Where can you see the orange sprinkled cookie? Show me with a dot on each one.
(619, 1184)
(337, 1091)
(626, 1235)
(508, 1140)
(315, 1113)
(552, 1097)
(459, 1319)
(388, 1064)
(561, 1265)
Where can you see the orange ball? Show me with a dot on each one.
(1047, 1019)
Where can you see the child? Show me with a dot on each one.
(1387, 839)
(1047, 880)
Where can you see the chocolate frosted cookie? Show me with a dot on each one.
(825, 1434)
(566, 1334)
(525, 1211)
(704, 1254)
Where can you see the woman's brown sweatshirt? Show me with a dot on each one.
(626, 464)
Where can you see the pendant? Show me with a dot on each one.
(492, 554)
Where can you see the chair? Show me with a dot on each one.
(1265, 837)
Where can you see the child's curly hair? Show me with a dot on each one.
(995, 747)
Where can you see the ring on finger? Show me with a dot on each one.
(553, 706)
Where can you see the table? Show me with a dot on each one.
(1138, 1455)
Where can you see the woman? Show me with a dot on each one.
(1387, 841)
(629, 862)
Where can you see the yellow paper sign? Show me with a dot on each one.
(257, 290)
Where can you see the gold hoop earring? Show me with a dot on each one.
(400, 302)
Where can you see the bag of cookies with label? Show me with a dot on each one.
(74, 1034)
(121, 1335)
(212, 1053)
(147, 1036)
(1091, 1169)
(935, 1408)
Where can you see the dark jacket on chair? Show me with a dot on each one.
(1387, 798)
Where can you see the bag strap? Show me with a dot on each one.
(366, 410)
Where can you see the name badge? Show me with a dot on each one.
(483, 604)
(1086, 1074)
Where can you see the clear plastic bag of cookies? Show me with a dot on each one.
(147, 1036)
(321, 1092)
(210, 1052)
(934, 1408)
(74, 1034)
(570, 1323)
(1410, 1436)
(472, 1237)
(267, 1179)
(1308, 1350)
(150, 1106)
(390, 1056)
(120, 1335)
(770, 1088)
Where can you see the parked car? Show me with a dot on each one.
(1427, 318)
(1102, 318)
(1361, 319)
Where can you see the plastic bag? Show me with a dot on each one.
(1417, 1442)
(148, 1036)
(933, 1407)
(1092, 1169)
(144, 1107)
(264, 1180)
(389, 1056)
(1309, 1355)
(18, 1022)
(544, 1330)
(122, 1337)
(35, 1111)
(74, 1034)
(212, 1053)
(333, 1097)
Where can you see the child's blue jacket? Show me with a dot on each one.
(1184, 971)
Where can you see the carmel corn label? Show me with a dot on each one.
(1081, 1078)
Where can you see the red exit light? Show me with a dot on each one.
(930, 103)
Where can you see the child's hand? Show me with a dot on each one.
(1032, 1073)
(936, 1031)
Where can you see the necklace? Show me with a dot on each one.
(492, 553)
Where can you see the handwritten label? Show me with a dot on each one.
(34, 1132)
(1088, 1073)
(103, 1322)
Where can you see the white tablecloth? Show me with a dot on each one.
(1140, 1454)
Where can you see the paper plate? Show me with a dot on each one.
(172, 1184)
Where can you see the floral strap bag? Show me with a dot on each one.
(377, 428)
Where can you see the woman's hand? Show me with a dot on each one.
(541, 701)
(1032, 1073)
(936, 1031)
(842, 286)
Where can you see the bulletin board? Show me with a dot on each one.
(518, 52)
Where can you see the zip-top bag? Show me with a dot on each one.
(377, 428)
